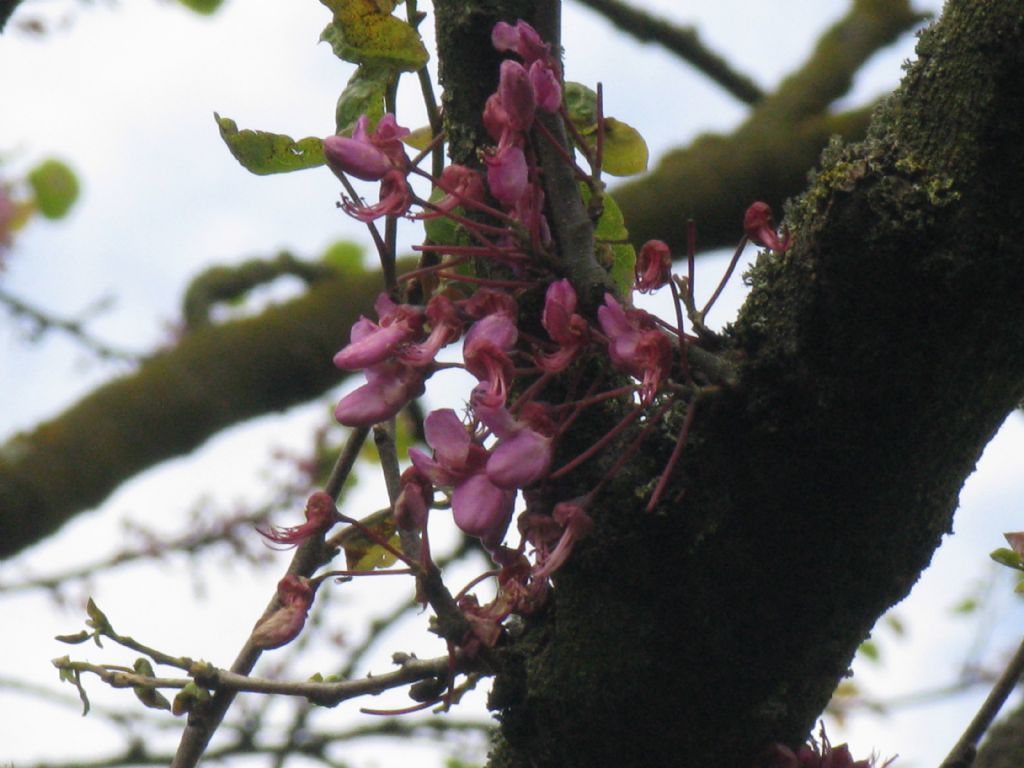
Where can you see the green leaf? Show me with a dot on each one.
(612, 238)
(147, 694)
(419, 138)
(442, 230)
(75, 639)
(581, 103)
(205, 7)
(365, 32)
(189, 698)
(345, 257)
(97, 619)
(265, 153)
(966, 606)
(1007, 557)
(625, 151)
(55, 186)
(895, 623)
(363, 95)
(869, 650)
(73, 676)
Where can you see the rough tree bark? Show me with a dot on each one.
(877, 358)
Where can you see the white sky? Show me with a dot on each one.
(125, 94)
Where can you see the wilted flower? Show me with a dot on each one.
(414, 500)
(653, 266)
(285, 622)
(759, 226)
(321, 514)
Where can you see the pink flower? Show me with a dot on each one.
(507, 174)
(294, 598)
(485, 352)
(395, 198)
(479, 507)
(371, 343)
(523, 453)
(368, 156)
(759, 226)
(521, 39)
(389, 387)
(356, 158)
(653, 266)
(516, 94)
(635, 345)
(413, 503)
(576, 524)
(462, 185)
(547, 90)
(564, 326)
(321, 514)
(486, 301)
(446, 327)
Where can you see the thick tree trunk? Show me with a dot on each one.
(878, 356)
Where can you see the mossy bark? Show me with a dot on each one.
(879, 356)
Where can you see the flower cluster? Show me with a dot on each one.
(505, 438)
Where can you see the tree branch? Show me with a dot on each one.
(684, 42)
(213, 378)
(879, 356)
(714, 179)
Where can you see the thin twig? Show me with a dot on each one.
(963, 752)
(45, 321)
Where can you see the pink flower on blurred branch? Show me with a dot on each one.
(368, 156)
(389, 387)
(372, 343)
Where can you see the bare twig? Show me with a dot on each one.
(44, 321)
(963, 752)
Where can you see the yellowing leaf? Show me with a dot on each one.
(625, 151)
(419, 138)
(264, 153)
(362, 552)
(365, 32)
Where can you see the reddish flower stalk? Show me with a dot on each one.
(659, 489)
(599, 446)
